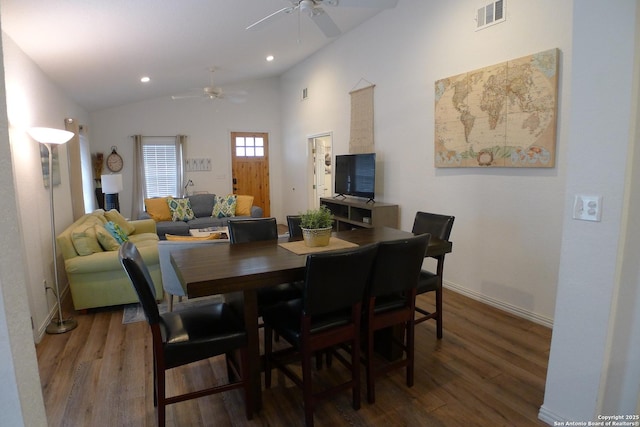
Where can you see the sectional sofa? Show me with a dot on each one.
(206, 210)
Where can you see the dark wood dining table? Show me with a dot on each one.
(245, 267)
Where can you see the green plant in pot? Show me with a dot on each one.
(316, 226)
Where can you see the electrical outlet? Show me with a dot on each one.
(587, 207)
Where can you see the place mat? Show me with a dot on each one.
(300, 248)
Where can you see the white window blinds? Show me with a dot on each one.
(162, 160)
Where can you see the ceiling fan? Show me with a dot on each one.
(313, 9)
(214, 92)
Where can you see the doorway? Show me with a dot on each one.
(321, 167)
(250, 167)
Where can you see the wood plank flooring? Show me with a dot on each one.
(488, 370)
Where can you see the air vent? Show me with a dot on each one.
(490, 14)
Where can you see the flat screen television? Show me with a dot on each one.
(355, 175)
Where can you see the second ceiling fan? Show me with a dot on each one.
(313, 9)
(214, 92)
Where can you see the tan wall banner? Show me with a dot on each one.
(361, 138)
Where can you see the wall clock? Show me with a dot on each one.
(114, 161)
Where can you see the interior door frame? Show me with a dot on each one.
(314, 198)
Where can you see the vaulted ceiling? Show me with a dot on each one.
(98, 50)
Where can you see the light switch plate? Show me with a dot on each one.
(587, 207)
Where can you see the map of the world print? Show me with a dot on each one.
(499, 116)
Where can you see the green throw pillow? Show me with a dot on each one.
(180, 209)
(117, 218)
(84, 239)
(107, 241)
(224, 206)
(117, 233)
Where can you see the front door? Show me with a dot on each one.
(250, 167)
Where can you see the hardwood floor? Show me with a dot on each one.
(488, 370)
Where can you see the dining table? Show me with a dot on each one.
(239, 270)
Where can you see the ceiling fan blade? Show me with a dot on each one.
(185, 96)
(325, 23)
(270, 18)
(378, 4)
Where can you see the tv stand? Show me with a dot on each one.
(350, 213)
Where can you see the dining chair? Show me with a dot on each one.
(389, 301)
(327, 315)
(438, 226)
(259, 229)
(293, 222)
(187, 336)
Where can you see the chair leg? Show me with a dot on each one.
(160, 387)
(170, 302)
(355, 371)
(307, 389)
(439, 312)
(410, 346)
(248, 392)
(268, 349)
(371, 386)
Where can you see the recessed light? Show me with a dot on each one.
(145, 79)
(270, 58)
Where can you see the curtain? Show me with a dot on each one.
(180, 142)
(138, 178)
(361, 137)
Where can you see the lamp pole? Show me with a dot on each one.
(48, 137)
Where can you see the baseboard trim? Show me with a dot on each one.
(501, 305)
(549, 417)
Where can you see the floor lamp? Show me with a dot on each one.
(48, 137)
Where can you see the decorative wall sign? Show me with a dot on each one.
(499, 116)
(197, 165)
(44, 158)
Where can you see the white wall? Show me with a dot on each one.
(208, 125)
(403, 51)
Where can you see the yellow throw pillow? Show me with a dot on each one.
(84, 239)
(243, 205)
(212, 236)
(158, 209)
(106, 240)
(115, 217)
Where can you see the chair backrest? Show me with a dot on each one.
(336, 280)
(252, 230)
(397, 265)
(140, 278)
(438, 226)
(293, 221)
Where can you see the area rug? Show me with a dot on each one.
(134, 313)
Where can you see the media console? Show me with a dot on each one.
(351, 213)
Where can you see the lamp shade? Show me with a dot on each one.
(50, 135)
(112, 184)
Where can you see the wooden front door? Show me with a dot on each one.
(250, 167)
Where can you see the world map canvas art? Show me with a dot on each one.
(499, 116)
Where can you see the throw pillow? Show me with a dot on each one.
(180, 209)
(117, 233)
(158, 209)
(84, 239)
(224, 206)
(243, 205)
(106, 240)
(212, 236)
(115, 217)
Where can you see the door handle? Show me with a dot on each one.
(235, 181)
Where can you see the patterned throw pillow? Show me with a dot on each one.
(117, 233)
(180, 209)
(224, 206)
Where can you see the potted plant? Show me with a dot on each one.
(316, 226)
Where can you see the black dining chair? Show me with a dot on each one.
(187, 336)
(327, 315)
(255, 230)
(438, 226)
(293, 222)
(389, 301)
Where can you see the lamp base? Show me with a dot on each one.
(61, 326)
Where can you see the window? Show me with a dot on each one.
(162, 157)
(249, 146)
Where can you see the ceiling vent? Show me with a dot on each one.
(490, 14)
